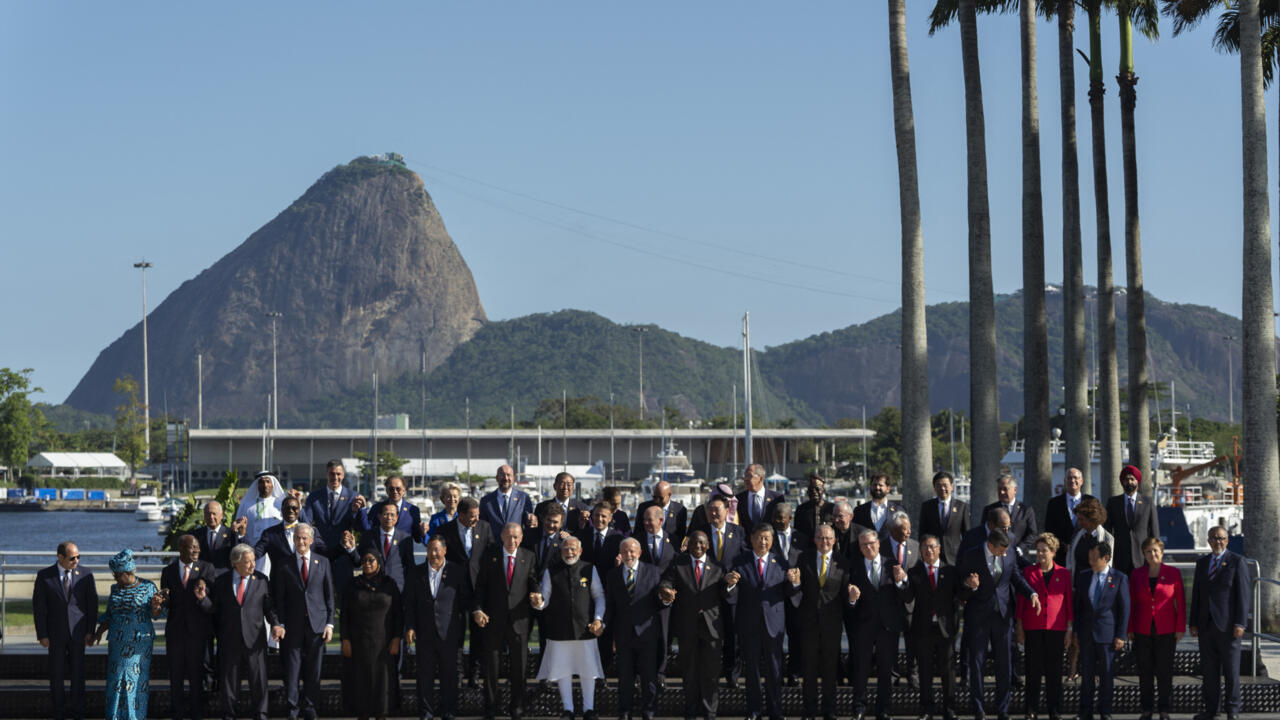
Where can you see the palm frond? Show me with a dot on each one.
(945, 11)
(1146, 17)
(1226, 39)
(1270, 54)
(1186, 14)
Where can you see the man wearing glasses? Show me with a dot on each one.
(1219, 611)
(65, 605)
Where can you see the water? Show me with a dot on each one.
(92, 531)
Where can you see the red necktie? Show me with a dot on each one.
(511, 570)
(697, 572)
(760, 564)
(304, 570)
(933, 581)
(386, 546)
(901, 550)
(240, 589)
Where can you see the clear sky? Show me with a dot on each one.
(746, 147)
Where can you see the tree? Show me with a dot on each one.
(917, 448)
(131, 447)
(15, 419)
(388, 464)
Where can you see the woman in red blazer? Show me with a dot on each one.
(1043, 634)
(1157, 620)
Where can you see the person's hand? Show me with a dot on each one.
(596, 628)
(532, 520)
(971, 582)
(564, 535)
(854, 593)
(1238, 632)
(157, 602)
(684, 544)
(348, 540)
(732, 578)
(898, 574)
(328, 633)
(241, 525)
(346, 648)
(358, 503)
(277, 632)
(1118, 644)
(394, 647)
(422, 528)
(296, 494)
(480, 618)
(44, 642)
(667, 594)
(1194, 632)
(1035, 604)
(535, 599)
(410, 636)
(1019, 635)
(1177, 637)
(584, 517)
(90, 639)
(793, 576)
(1130, 637)
(1071, 638)
(201, 590)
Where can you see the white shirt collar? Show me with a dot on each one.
(1133, 495)
(1075, 497)
(760, 559)
(508, 554)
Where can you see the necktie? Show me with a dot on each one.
(546, 547)
(1129, 512)
(656, 551)
(240, 583)
(466, 540)
(760, 566)
(901, 554)
(1071, 510)
(288, 536)
(386, 545)
(66, 583)
(304, 570)
(333, 503)
(719, 545)
(212, 536)
(599, 545)
(1213, 566)
(503, 499)
(631, 582)
(933, 579)
(877, 515)
(943, 510)
(875, 574)
(822, 572)
(997, 568)
(697, 572)
(511, 570)
(1097, 590)
(186, 573)
(435, 582)
(756, 508)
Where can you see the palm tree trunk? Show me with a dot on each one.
(1038, 482)
(983, 398)
(1074, 348)
(917, 440)
(1261, 523)
(1108, 393)
(1135, 303)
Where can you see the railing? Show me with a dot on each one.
(7, 566)
(1258, 635)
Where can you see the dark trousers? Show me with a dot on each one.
(1045, 649)
(795, 643)
(762, 656)
(604, 644)
(933, 653)
(821, 662)
(1154, 654)
(516, 647)
(884, 643)
(1096, 658)
(437, 658)
(303, 652)
(1220, 661)
(475, 648)
(66, 661)
(729, 651)
(230, 657)
(639, 656)
(186, 666)
(996, 633)
(699, 662)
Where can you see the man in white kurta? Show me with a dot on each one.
(572, 603)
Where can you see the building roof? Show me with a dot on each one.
(76, 460)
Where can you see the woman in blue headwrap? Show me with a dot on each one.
(132, 604)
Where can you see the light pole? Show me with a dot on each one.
(640, 331)
(275, 388)
(1231, 382)
(146, 381)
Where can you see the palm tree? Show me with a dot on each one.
(917, 440)
(1261, 523)
(983, 396)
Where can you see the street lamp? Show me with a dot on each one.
(640, 331)
(1231, 383)
(275, 388)
(146, 382)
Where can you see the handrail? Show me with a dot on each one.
(1257, 616)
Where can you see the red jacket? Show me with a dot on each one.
(1167, 605)
(1055, 600)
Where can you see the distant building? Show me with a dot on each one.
(78, 464)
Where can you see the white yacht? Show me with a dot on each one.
(148, 509)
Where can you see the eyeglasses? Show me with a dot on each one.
(1217, 538)
(72, 558)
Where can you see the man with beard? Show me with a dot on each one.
(945, 517)
(505, 587)
(675, 517)
(571, 598)
(875, 513)
(331, 510)
(1131, 519)
(188, 629)
(576, 513)
(816, 510)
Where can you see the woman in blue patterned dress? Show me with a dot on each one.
(132, 604)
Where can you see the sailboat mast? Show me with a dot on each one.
(746, 382)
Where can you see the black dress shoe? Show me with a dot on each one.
(566, 715)
(589, 715)
(1205, 716)
(1233, 716)
(753, 716)
(1164, 716)
(1145, 716)
(624, 716)
(860, 716)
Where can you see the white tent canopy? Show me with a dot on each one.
(77, 464)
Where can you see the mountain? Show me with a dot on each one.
(360, 267)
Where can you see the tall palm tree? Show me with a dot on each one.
(983, 396)
(917, 440)
(1261, 456)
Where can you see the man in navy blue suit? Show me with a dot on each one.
(675, 518)
(189, 628)
(760, 588)
(409, 518)
(330, 510)
(991, 584)
(755, 503)
(395, 547)
(727, 543)
(1101, 605)
(302, 586)
(277, 542)
(576, 512)
(632, 604)
(65, 605)
(879, 615)
(507, 504)
(1219, 610)
(875, 513)
(437, 595)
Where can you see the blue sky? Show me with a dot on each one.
(751, 141)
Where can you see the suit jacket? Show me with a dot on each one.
(862, 516)
(696, 611)
(759, 603)
(303, 606)
(620, 522)
(534, 542)
(442, 617)
(1109, 618)
(1167, 606)
(185, 616)
(329, 526)
(1022, 529)
(670, 549)
(943, 601)
(1057, 520)
(519, 508)
(881, 604)
(810, 515)
(771, 498)
(219, 553)
(1223, 600)
(798, 545)
(240, 624)
(506, 606)
(396, 563)
(608, 554)
(409, 520)
(1127, 554)
(1056, 601)
(992, 601)
(677, 523)
(975, 538)
(64, 617)
(735, 544)
(636, 617)
(572, 520)
(822, 606)
(275, 545)
(910, 554)
(957, 525)
(455, 550)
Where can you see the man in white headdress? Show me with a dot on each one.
(259, 509)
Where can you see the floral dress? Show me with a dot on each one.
(129, 661)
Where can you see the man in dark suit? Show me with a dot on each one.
(814, 511)
(821, 600)
(216, 539)
(899, 545)
(599, 541)
(876, 512)
(657, 546)
(633, 609)
(1060, 512)
(675, 518)
(846, 531)
(64, 602)
(694, 588)
(437, 595)
(408, 516)
(878, 616)
(507, 504)
(331, 510)
(755, 503)
(576, 513)
(504, 584)
(990, 582)
(1022, 519)
(933, 625)
(1131, 519)
(997, 518)
(395, 547)
(302, 585)
(944, 517)
(277, 541)
(759, 588)
(727, 543)
(1101, 606)
(544, 541)
(242, 600)
(787, 546)
(467, 542)
(188, 628)
(1219, 610)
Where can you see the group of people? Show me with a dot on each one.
(744, 585)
